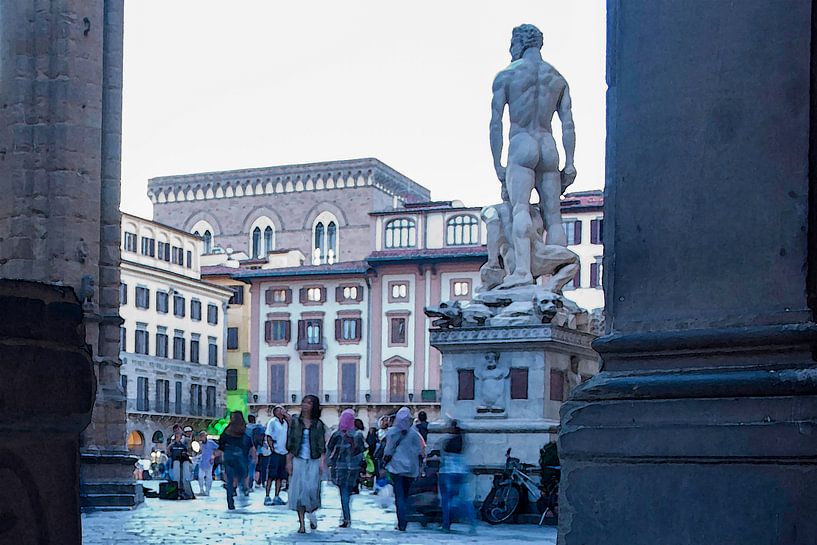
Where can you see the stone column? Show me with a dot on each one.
(702, 426)
(60, 102)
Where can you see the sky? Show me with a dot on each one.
(217, 85)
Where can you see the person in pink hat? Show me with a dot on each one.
(345, 450)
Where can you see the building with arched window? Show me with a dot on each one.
(462, 230)
(325, 239)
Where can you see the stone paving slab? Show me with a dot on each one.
(206, 521)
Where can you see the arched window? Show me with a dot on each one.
(208, 241)
(325, 240)
(256, 242)
(268, 240)
(462, 230)
(401, 233)
(136, 441)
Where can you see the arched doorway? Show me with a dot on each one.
(136, 442)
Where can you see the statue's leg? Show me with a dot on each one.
(549, 185)
(520, 182)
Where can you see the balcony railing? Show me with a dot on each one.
(311, 345)
(187, 410)
(363, 397)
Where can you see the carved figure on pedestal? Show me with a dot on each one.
(492, 385)
(533, 91)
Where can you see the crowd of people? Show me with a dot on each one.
(295, 453)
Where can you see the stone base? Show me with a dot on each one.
(725, 456)
(106, 481)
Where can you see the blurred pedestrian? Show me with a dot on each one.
(404, 448)
(235, 445)
(208, 449)
(453, 475)
(306, 461)
(345, 455)
(277, 429)
(422, 425)
(256, 434)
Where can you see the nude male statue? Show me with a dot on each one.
(533, 91)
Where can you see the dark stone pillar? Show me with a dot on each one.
(702, 427)
(47, 387)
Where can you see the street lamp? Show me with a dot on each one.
(368, 397)
(411, 397)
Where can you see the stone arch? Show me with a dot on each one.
(324, 206)
(262, 210)
(206, 217)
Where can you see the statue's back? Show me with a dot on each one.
(533, 88)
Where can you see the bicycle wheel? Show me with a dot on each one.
(500, 504)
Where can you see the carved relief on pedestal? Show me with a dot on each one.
(493, 386)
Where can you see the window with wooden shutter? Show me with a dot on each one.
(232, 379)
(302, 295)
(338, 329)
(339, 298)
(348, 383)
(278, 386)
(594, 275)
(519, 383)
(465, 384)
(312, 378)
(557, 385)
(577, 232)
(268, 331)
(596, 231)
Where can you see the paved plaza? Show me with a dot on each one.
(206, 521)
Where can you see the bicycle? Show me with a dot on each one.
(504, 498)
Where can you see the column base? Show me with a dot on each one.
(106, 481)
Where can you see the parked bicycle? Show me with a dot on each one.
(508, 487)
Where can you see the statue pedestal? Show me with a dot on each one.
(535, 364)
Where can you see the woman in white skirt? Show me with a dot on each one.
(306, 461)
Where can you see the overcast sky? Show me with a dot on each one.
(217, 85)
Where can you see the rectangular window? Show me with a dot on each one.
(461, 289)
(142, 297)
(557, 385)
(398, 291)
(397, 387)
(211, 401)
(397, 334)
(313, 295)
(178, 306)
(161, 345)
(212, 314)
(195, 310)
(276, 331)
(130, 242)
(123, 381)
(312, 378)
(238, 295)
(519, 383)
(596, 231)
(148, 246)
(142, 394)
(576, 282)
(349, 294)
(595, 273)
(348, 383)
(164, 251)
(196, 405)
(161, 302)
(162, 396)
(177, 255)
(189, 259)
(123, 294)
(278, 385)
(142, 343)
(348, 329)
(310, 333)
(212, 351)
(194, 350)
(178, 407)
(123, 339)
(573, 232)
(232, 379)
(278, 296)
(465, 384)
(232, 338)
(178, 346)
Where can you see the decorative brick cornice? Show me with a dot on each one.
(286, 179)
(528, 335)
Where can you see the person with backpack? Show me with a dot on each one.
(404, 449)
(345, 455)
(237, 448)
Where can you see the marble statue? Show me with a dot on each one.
(526, 242)
(492, 384)
(533, 92)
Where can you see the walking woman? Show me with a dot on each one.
(306, 461)
(236, 446)
(345, 454)
(404, 448)
(453, 476)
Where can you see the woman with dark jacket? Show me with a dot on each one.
(236, 447)
(345, 454)
(306, 461)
